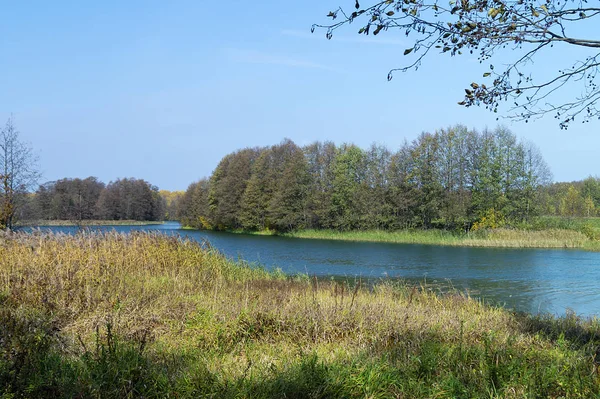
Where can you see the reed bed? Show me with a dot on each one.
(44, 223)
(145, 315)
(502, 238)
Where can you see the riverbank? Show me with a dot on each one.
(56, 223)
(499, 238)
(145, 315)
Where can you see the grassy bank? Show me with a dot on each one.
(503, 238)
(499, 238)
(29, 223)
(151, 316)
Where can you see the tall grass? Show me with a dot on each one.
(142, 315)
(508, 238)
(86, 222)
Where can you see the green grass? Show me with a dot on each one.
(150, 316)
(507, 238)
(543, 232)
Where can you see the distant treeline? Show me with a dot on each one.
(85, 199)
(579, 198)
(453, 178)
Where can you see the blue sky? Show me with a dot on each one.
(162, 90)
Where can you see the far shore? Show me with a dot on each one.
(497, 238)
(51, 223)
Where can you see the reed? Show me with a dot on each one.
(507, 238)
(52, 223)
(145, 315)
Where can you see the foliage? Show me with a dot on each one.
(130, 199)
(492, 219)
(227, 186)
(449, 179)
(517, 30)
(171, 200)
(66, 199)
(87, 199)
(574, 199)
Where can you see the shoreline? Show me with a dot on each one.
(67, 223)
(498, 238)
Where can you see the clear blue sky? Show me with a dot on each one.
(162, 90)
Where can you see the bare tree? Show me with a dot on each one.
(484, 27)
(18, 173)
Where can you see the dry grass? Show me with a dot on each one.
(143, 279)
(40, 223)
(239, 331)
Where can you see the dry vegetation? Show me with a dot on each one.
(145, 315)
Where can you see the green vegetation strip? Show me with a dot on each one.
(499, 238)
(150, 316)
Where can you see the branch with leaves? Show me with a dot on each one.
(484, 28)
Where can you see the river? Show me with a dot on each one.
(530, 280)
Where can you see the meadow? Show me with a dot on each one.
(145, 315)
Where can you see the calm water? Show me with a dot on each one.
(531, 280)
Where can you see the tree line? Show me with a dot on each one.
(574, 199)
(453, 178)
(87, 199)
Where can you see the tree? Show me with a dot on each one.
(425, 155)
(130, 199)
(227, 185)
(287, 209)
(348, 175)
(67, 199)
(18, 173)
(172, 200)
(528, 28)
(320, 159)
(572, 203)
(193, 208)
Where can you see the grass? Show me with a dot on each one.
(503, 238)
(45, 223)
(144, 315)
(543, 232)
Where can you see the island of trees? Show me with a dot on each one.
(455, 178)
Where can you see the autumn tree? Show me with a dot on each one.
(18, 173)
(172, 200)
(506, 36)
